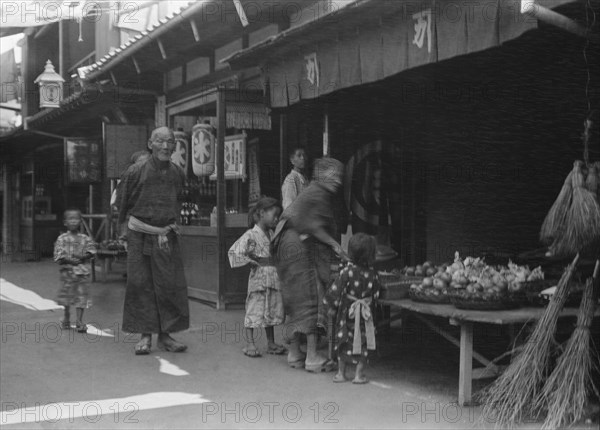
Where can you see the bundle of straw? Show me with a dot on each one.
(557, 215)
(567, 389)
(583, 217)
(591, 182)
(511, 397)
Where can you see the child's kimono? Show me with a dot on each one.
(352, 294)
(264, 305)
(74, 278)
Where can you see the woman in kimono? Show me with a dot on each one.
(303, 248)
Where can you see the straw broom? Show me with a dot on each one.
(583, 217)
(567, 389)
(511, 397)
(557, 215)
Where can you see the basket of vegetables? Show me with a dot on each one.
(395, 285)
(428, 294)
(483, 300)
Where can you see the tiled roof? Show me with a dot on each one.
(135, 43)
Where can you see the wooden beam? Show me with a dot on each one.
(195, 30)
(136, 65)
(556, 19)
(163, 52)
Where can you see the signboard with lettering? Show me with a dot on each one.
(83, 159)
(235, 158)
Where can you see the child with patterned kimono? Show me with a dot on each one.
(264, 305)
(350, 299)
(71, 250)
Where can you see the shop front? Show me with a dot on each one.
(225, 146)
(422, 110)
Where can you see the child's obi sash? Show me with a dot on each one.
(361, 308)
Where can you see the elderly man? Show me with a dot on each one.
(156, 296)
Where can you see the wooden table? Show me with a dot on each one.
(465, 319)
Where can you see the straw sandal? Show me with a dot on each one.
(81, 327)
(249, 352)
(276, 350)
(338, 378)
(65, 324)
(171, 345)
(143, 346)
(325, 366)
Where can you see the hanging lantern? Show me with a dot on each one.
(51, 85)
(181, 154)
(203, 150)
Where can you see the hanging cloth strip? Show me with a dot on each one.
(361, 308)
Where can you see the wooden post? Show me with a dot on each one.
(61, 53)
(221, 194)
(466, 363)
(282, 147)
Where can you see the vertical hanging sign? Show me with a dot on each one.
(253, 173)
(83, 159)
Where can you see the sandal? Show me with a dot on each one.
(362, 380)
(81, 327)
(251, 352)
(171, 345)
(276, 350)
(298, 364)
(326, 366)
(65, 325)
(143, 346)
(338, 378)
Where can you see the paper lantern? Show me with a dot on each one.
(203, 150)
(181, 154)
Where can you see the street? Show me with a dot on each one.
(63, 379)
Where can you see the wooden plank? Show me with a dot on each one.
(466, 364)
(163, 52)
(500, 317)
(195, 30)
(136, 65)
(221, 192)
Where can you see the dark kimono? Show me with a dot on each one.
(156, 297)
(354, 283)
(303, 262)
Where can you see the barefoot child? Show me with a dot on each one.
(71, 250)
(264, 305)
(350, 299)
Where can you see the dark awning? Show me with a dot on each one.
(369, 40)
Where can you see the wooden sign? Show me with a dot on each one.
(235, 158)
(83, 159)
